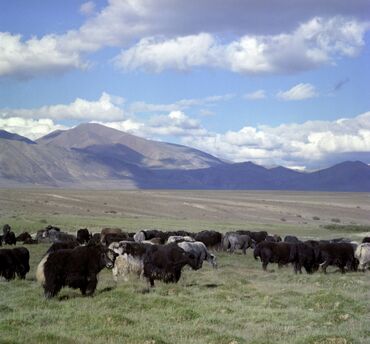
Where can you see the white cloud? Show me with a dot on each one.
(314, 43)
(87, 8)
(158, 54)
(35, 56)
(256, 95)
(182, 36)
(298, 92)
(308, 144)
(30, 128)
(175, 124)
(107, 107)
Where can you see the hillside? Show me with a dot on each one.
(94, 156)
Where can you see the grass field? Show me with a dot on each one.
(237, 303)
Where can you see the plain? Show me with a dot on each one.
(237, 303)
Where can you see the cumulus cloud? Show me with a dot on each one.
(175, 124)
(314, 43)
(105, 108)
(298, 92)
(28, 127)
(32, 57)
(185, 36)
(310, 144)
(256, 95)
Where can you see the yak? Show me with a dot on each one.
(76, 268)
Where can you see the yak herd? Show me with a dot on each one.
(75, 261)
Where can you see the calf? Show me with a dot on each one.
(76, 268)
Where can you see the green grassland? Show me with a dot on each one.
(236, 303)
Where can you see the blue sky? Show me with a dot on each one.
(258, 80)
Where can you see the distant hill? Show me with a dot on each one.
(94, 156)
(101, 141)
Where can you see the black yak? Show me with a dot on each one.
(76, 268)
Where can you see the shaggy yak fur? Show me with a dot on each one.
(76, 268)
(14, 261)
(166, 262)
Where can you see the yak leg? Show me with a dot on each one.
(92, 281)
(324, 266)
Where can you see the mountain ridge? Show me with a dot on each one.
(94, 156)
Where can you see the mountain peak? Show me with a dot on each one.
(14, 137)
(94, 137)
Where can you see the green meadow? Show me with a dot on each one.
(236, 303)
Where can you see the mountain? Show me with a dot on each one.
(101, 141)
(94, 156)
(15, 137)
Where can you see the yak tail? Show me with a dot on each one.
(40, 274)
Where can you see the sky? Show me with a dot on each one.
(275, 82)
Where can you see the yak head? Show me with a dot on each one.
(107, 257)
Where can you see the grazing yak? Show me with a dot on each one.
(76, 268)
(162, 237)
(199, 251)
(211, 239)
(14, 261)
(83, 236)
(106, 231)
(273, 252)
(23, 237)
(115, 237)
(233, 241)
(95, 239)
(130, 259)
(8, 236)
(257, 237)
(273, 238)
(338, 254)
(291, 239)
(362, 254)
(166, 262)
(302, 254)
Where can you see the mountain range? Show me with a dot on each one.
(94, 156)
